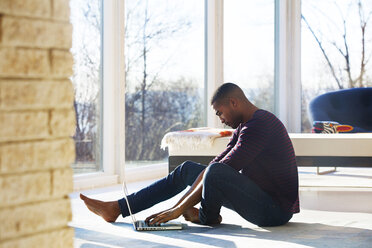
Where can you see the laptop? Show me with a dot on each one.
(141, 225)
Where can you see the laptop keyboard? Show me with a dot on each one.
(145, 224)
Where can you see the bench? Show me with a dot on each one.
(312, 150)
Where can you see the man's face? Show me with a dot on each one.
(227, 114)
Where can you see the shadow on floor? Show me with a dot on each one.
(190, 234)
(310, 234)
(94, 239)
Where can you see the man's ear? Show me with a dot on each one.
(233, 102)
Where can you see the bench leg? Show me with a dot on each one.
(324, 172)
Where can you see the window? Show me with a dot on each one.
(86, 49)
(336, 48)
(164, 57)
(165, 68)
(249, 49)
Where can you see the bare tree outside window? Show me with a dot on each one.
(159, 98)
(338, 32)
(86, 50)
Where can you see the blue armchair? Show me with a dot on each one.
(350, 107)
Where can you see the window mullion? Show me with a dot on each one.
(288, 63)
(113, 87)
(214, 55)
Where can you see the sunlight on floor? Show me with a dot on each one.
(310, 228)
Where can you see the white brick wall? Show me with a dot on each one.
(37, 121)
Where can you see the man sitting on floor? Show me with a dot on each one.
(256, 175)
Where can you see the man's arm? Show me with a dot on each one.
(230, 145)
(190, 199)
(250, 143)
(193, 196)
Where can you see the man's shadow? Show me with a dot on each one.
(310, 234)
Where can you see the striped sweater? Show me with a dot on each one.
(262, 150)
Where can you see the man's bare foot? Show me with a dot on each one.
(192, 215)
(109, 211)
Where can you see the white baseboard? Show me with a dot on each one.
(148, 172)
(135, 174)
(94, 180)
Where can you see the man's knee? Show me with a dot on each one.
(218, 168)
(182, 168)
(187, 163)
(188, 171)
(216, 171)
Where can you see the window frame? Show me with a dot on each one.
(113, 100)
(288, 63)
(213, 56)
(287, 72)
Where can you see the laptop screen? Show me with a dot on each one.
(126, 199)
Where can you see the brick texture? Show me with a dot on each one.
(16, 189)
(62, 182)
(39, 155)
(23, 125)
(62, 122)
(60, 239)
(28, 32)
(35, 94)
(62, 62)
(32, 218)
(31, 8)
(23, 62)
(61, 10)
(37, 121)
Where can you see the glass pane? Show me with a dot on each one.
(164, 50)
(249, 49)
(86, 49)
(333, 49)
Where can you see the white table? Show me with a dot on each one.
(318, 150)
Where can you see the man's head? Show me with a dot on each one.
(231, 105)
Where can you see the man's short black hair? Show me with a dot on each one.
(223, 92)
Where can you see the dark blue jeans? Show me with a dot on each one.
(222, 186)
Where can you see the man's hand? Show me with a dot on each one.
(192, 197)
(164, 216)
